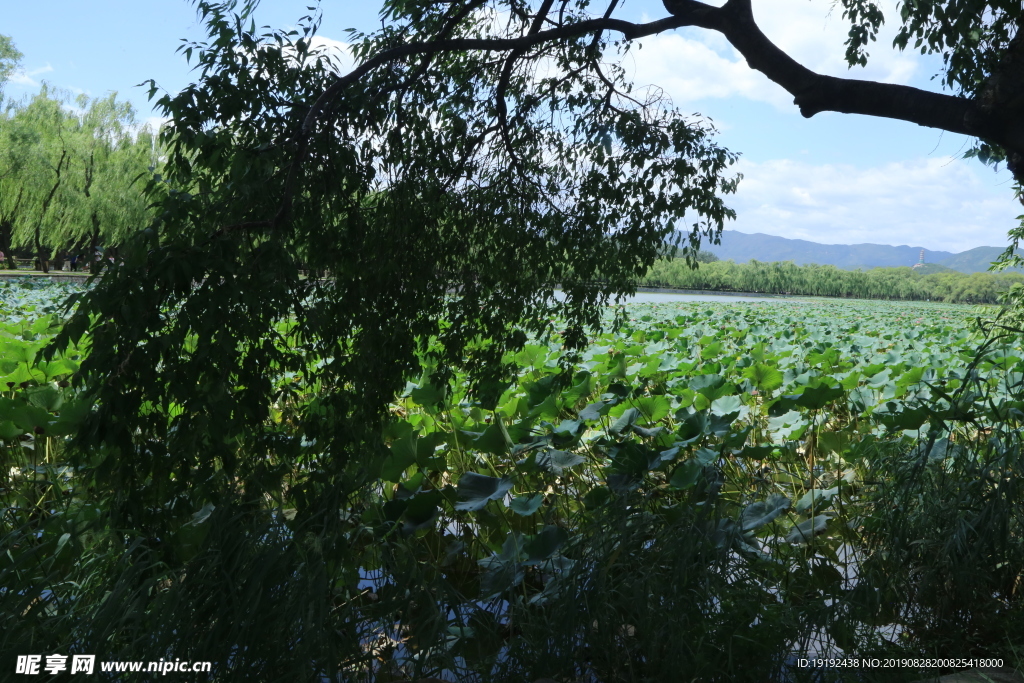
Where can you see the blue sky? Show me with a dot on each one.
(834, 178)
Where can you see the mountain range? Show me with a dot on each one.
(742, 247)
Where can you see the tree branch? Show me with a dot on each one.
(506, 75)
(628, 29)
(814, 93)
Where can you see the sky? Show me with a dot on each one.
(833, 179)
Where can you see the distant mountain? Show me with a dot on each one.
(741, 247)
(973, 260)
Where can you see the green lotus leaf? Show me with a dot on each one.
(764, 377)
(476, 490)
(626, 420)
(818, 497)
(557, 462)
(594, 411)
(758, 514)
(421, 511)
(527, 505)
(653, 408)
(805, 531)
(545, 544)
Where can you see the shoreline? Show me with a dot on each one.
(53, 275)
(713, 292)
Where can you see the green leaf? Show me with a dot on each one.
(594, 411)
(75, 411)
(758, 514)
(897, 416)
(817, 497)
(653, 408)
(711, 350)
(727, 405)
(791, 425)
(764, 377)
(30, 417)
(476, 490)
(428, 395)
(756, 452)
(491, 440)
(557, 462)
(816, 398)
(583, 387)
(532, 355)
(711, 386)
(47, 397)
(686, 475)
(706, 456)
(489, 392)
(527, 505)
(837, 442)
(911, 376)
(203, 514)
(720, 425)
(421, 511)
(402, 456)
(646, 433)
(805, 531)
(626, 420)
(693, 426)
(545, 544)
(546, 409)
(9, 431)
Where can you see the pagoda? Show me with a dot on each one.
(920, 262)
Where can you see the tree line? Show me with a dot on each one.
(902, 284)
(71, 175)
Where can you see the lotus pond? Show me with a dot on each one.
(716, 488)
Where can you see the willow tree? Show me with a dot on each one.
(72, 173)
(38, 170)
(480, 154)
(10, 57)
(114, 158)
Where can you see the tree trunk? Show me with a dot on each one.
(6, 230)
(41, 253)
(1002, 124)
(94, 238)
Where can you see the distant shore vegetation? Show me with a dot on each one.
(786, 277)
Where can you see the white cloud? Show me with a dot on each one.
(156, 122)
(338, 51)
(338, 54)
(694, 64)
(937, 203)
(25, 78)
(153, 123)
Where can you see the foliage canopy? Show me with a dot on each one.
(72, 172)
(9, 59)
(429, 214)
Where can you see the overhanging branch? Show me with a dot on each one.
(814, 93)
(629, 30)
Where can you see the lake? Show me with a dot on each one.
(668, 296)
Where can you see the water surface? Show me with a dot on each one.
(669, 297)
